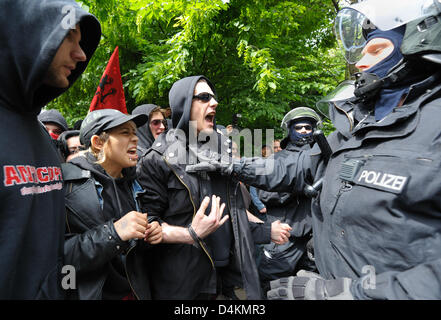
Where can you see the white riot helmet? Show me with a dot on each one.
(382, 14)
(421, 42)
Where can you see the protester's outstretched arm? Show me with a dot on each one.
(253, 218)
(263, 232)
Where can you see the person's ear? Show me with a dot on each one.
(96, 143)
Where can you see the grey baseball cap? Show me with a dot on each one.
(99, 121)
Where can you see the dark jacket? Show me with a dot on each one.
(291, 208)
(92, 245)
(381, 198)
(31, 196)
(174, 196)
(295, 210)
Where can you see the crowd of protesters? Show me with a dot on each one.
(160, 204)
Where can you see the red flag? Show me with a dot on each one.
(110, 92)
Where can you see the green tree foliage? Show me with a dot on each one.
(264, 56)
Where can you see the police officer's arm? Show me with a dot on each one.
(289, 174)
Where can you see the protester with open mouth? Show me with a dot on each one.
(211, 262)
(107, 234)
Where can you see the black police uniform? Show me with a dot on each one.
(380, 205)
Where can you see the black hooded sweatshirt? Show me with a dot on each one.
(31, 196)
(181, 99)
(173, 195)
(144, 133)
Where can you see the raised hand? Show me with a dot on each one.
(204, 225)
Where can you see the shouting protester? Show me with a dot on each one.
(103, 219)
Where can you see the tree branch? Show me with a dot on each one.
(335, 3)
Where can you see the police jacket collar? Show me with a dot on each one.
(400, 122)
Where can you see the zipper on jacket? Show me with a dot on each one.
(232, 220)
(361, 121)
(127, 254)
(345, 186)
(194, 209)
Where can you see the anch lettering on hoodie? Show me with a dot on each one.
(392, 182)
(25, 174)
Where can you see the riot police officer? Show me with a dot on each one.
(282, 260)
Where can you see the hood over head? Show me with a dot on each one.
(144, 133)
(31, 33)
(181, 98)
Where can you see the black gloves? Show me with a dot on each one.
(224, 168)
(209, 161)
(310, 286)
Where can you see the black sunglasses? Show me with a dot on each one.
(205, 96)
(299, 127)
(157, 122)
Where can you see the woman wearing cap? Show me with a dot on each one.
(107, 237)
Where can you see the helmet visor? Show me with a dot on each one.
(348, 28)
(300, 112)
(382, 14)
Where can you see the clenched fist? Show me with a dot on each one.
(132, 226)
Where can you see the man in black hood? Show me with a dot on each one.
(46, 46)
(54, 122)
(156, 122)
(208, 264)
